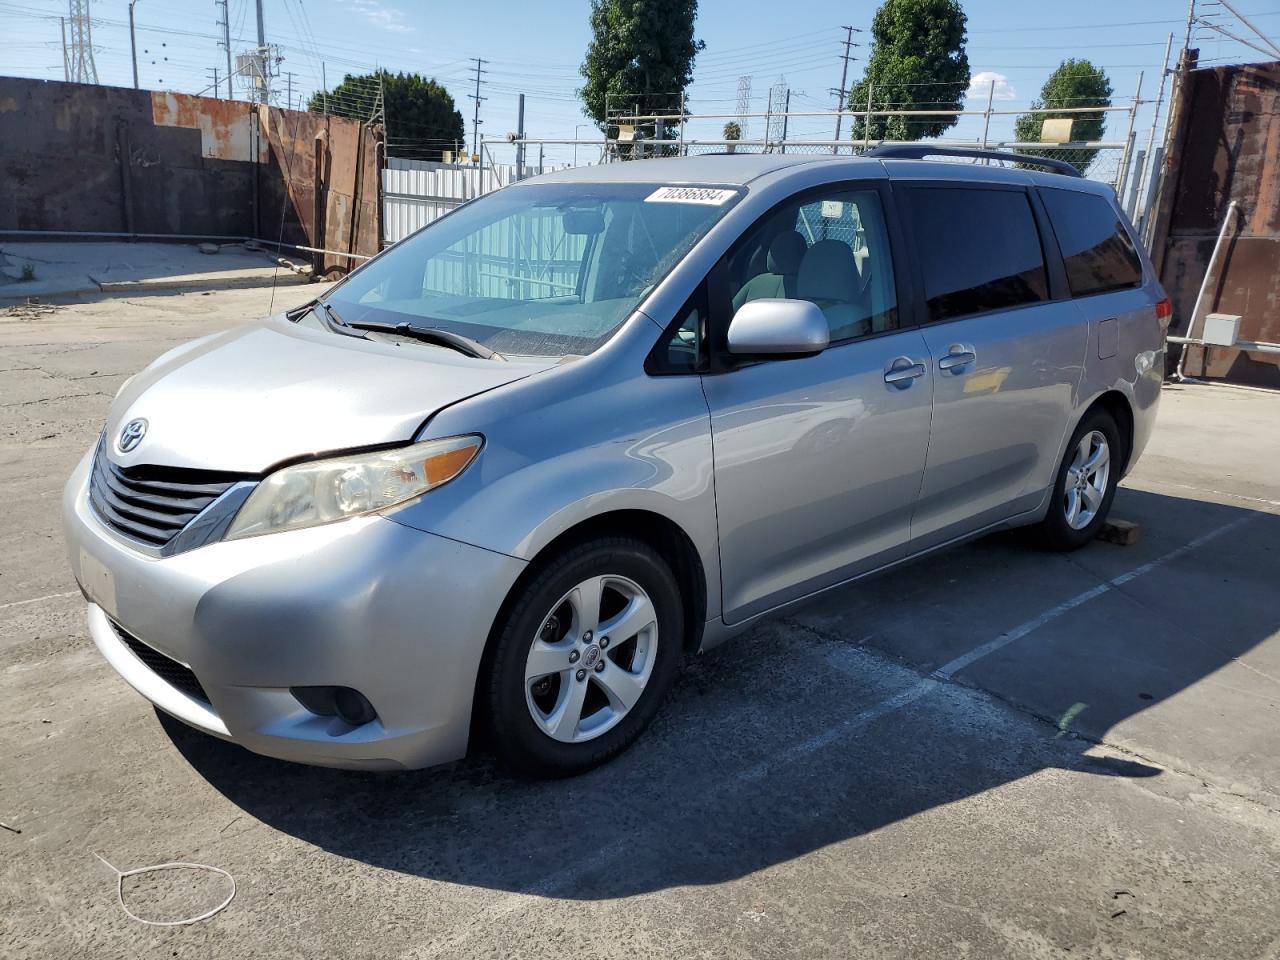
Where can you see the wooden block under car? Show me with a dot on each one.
(1123, 532)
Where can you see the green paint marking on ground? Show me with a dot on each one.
(1065, 723)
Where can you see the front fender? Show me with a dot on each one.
(561, 450)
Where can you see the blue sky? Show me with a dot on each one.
(536, 48)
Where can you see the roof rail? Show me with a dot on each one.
(911, 151)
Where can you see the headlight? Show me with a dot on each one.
(309, 494)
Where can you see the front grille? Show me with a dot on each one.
(152, 504)
(170, 671)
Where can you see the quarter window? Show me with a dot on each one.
(979, 250)
(1096, 248)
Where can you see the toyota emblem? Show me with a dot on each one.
(132, 434)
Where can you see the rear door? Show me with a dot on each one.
(1006, 349)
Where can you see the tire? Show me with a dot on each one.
(531, 686)
(1059, 530)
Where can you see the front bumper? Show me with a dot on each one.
(400, 615)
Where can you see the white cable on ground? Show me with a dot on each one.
(121, 874)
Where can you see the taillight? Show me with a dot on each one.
(1164, 312)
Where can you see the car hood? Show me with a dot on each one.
(272, 391)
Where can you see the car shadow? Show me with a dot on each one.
(802, 733)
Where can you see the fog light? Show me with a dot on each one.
(352, 706)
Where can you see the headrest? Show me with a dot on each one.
(785, 252)
(828, 272)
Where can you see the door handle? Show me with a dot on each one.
(958, 355)
(903, 371)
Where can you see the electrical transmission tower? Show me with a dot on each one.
(83, 69)
(777, 125)
(744, 103)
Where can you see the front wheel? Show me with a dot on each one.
(1085, 484)
(583, 658)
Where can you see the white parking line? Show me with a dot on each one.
(950, 669)
(850, 660)
(48, 596)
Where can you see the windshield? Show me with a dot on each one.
(544, 270)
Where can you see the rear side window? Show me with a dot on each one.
(979, 250)
(1096, 248)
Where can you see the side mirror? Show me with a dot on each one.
(778, 330)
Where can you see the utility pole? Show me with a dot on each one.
(214, 71)
(843, 93)
(133, 44)
(66, 60)
(288, 97)
(1148, 168)
(986, 119)
(475, 123)
(225, 24)
(264, 89)
(520, 138)
(259, 63)
(83, 69)
(866, 121)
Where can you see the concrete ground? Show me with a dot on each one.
(995, 752)
(52, 270)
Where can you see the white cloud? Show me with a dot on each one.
(381, 15)
(980, 86)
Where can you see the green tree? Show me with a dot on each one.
(1076, 83)
(639, 60)
(917, 62)
(420, 117)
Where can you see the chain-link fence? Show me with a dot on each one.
(640, 136)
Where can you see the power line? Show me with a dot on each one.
(1249, 23)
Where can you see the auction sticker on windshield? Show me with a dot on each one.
(707, 195)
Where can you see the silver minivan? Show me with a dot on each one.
(501, 481)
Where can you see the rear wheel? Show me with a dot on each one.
(1085, 484)
(584, 657)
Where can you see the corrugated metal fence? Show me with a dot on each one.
(415, 192)
(530, 258)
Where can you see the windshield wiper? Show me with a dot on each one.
(331, 318)
(434, 335)
(330, 313)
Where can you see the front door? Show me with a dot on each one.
(1006, 357)
(818, 461)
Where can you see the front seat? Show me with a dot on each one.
(782, 267)
(828, 278)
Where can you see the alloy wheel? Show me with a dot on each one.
(591, 659)
(1086, 480)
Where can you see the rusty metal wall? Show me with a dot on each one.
(1231, 137)
(86, 158)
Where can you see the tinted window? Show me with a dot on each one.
(979, 250)
(1095, 246)
(831, 249)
